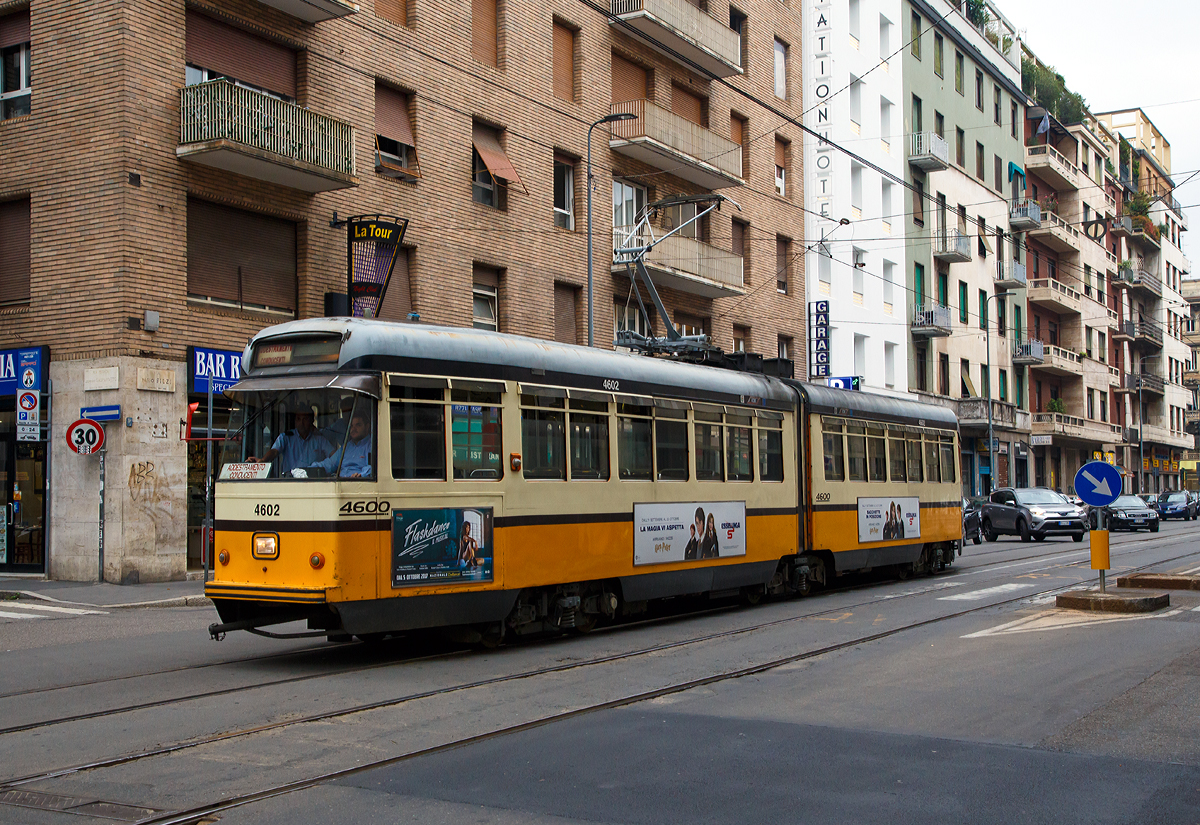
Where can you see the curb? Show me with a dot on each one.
(1113, 602)
(1160, 581)
(177, 601)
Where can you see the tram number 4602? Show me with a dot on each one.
(355, 508)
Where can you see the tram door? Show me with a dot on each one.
(22, 500)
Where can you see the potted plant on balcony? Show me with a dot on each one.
(1143, 224)
(1049, 203)
(1056, 405)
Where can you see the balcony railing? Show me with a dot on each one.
(1029, 352)
(932, 320)
(1010, 274)
(1147, 330)
(1057, 233)
(1053, 293)
(685, 30)
(1024, 213)
(1191, 378)
(974, 411)
(686, 264)
(245, 131)
(1050, 163)
(928, 151)
(672, 143)
(1147, 381)
(1073, 425)
(952, 246)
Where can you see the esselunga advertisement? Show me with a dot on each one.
(441, 546)
(888, 519)
(688, 531)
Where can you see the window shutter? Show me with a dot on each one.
(394, 10)
(486, 276)
(241, 55)
(628, 80)
(484, 45)
(14, 251)
(687, 105)
(241, 257)
(735, 129)
(781, 258)
(564, 62)
(780, 153)
(739, 239)
(391, 116)
(397, 301)
(564, 314)
(487, 144)
(14, 29)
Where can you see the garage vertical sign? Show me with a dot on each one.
(818, 339)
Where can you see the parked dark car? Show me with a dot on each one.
(971, 528)
(1034, 512)
(1127, 513)
(1176, 504)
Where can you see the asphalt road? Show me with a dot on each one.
(964, 697)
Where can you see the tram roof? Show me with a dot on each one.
(423, 349)
(853, 404)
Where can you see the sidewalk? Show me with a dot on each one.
(95, 594)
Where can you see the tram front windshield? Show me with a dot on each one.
(300, 434)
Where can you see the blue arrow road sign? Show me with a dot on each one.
(1098, 483)
(112, 413)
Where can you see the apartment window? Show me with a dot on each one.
(393, 10)
(964, 311)
(1087, 340)
(395, 146)
(1019, 388)
(1091, 403)
(915, 36)
(629, 204)
(939, 124)
(889, 286)
(855, 92)
(960, 148)
(959, 73)
(919, 355)
(485, 36)
(919, 283)
(918, 201)
(918, 120)
(1103, 399)
(1101, 347)
(853, 18)
(739, 133)
(996, 105)
(983, 309)
(566, 300)
(1017, 320)
(784, 348)
(943, 373)
(980, 154)
(1001, 321)
(216, 50)
(781, 54)
(889, 365)
(985, 381)
(15, 71)
(999, 173)
(983, 241)
(240, 258)
(629, 80)
(885, 40)
(14, 252)
(741, 246)
(938, 44)
(737, 22)
(740, 336)
(964, 377)
(856, 190)
(485, 286)
(780, 168)
(783, 262)
(564, 62)
(1013, 112)
(1003, 378)
(627, 316)
(979, 90)
(492, 171)
(564, 192)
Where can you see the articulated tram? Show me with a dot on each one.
(382, 477)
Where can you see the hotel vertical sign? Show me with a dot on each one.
(820, 78)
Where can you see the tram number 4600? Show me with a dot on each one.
(355, 508)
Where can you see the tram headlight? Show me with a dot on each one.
(265, 546)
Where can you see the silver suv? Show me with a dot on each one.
(1034, 512)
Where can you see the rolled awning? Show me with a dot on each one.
(493, 156)
(1013, 169)
(365, 384)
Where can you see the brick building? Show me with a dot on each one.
(150, 223)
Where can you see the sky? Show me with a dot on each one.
(1121, 56)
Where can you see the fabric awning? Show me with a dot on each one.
(494, 158)
(1013, 169)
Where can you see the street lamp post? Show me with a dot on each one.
(613, 118)
(991, 436)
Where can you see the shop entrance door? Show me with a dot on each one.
(22, 500)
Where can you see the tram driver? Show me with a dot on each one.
(301, 446)
(354, 457)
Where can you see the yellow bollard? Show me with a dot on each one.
(1099, 540)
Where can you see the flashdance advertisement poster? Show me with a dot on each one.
(441, 546)
(888, 519)
(688, 531)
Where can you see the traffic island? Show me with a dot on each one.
(1117, 600)
(1160, 581)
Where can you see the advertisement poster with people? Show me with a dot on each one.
(688, 531)
(441, 546)
(889, 519)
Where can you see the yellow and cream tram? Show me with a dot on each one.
(381, 477)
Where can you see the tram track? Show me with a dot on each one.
(657, 621)
(552, 669)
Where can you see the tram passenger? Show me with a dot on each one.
(354, 456)
(301, 446)
(336, 431)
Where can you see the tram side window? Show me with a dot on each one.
(671, 444)
(418, 433)
(475, 433)
(896, 456)
(948, 462)
(739, 447)
(932, 472)
(835, 464)
(856, 452)
(709, 458)
(544, 436)
(770, 449)
(588, 425)
(913, 445)
(635, 442)
(876, 454)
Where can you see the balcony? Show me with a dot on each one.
(677, 28)
(666, 141)
(931, 321)
(928, 151)
(1024, 214)
(1138, 280)
(952, 246)
(1142, 332)
(973, 412)
(1056, 233)
(686, 265)
(1192, 337)
(1121, 226)
(1028, 353)
(1074, 427)
(1191, 378)
(1149, 237)
(1010, 274)
(313, 11)
(1191, 424)
(245, 131)
(1114, 377)
(1059, 361)
(1054, 295)
(1147, 381)
(1051, 167)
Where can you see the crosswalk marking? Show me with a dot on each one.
(4, 615)
(1063, 620)
(74, 611)
(986, 593)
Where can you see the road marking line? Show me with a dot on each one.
(987, 592)
(1190, 572)
(19, 616)
(1061, 620)
(74, 611)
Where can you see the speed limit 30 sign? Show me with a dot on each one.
(85, 436)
